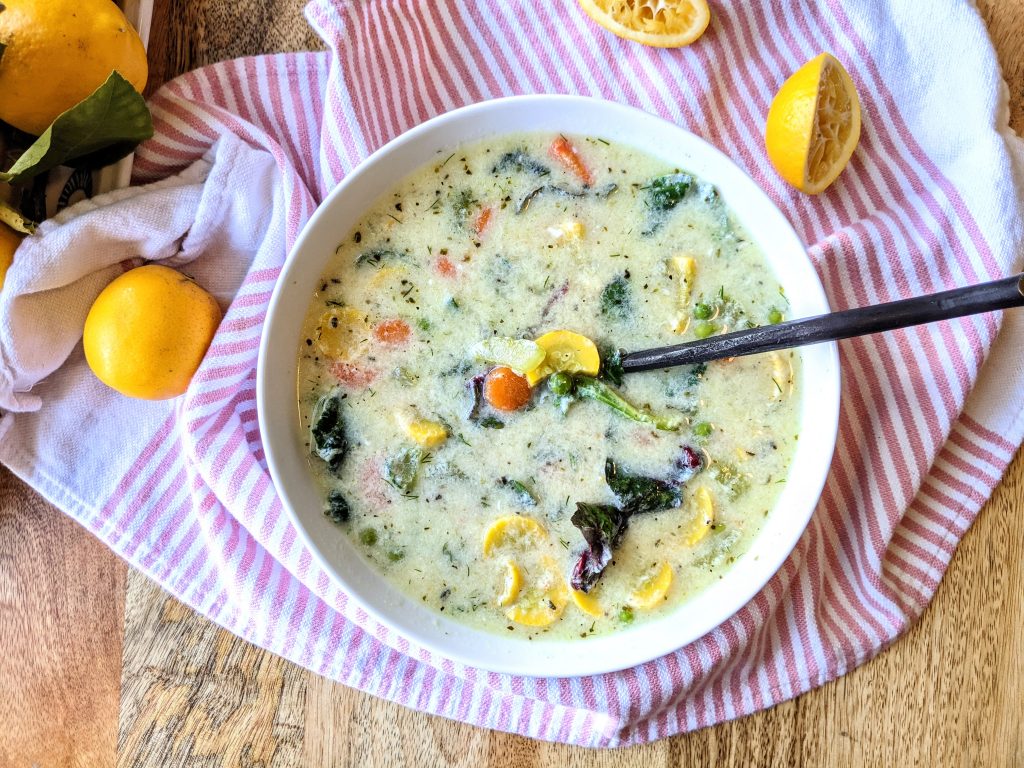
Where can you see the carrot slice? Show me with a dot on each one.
(483, 220)
(565, 153)
(394, 332)
(353, 376)
(505, 389)
(446, 268)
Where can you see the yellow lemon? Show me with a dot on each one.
(57, 52)
(9, 242)
(814, 124)
(512, 532)
(661, 23)
(148, 330)
(565, 351)
(652, 587)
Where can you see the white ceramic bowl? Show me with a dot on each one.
(289, 462)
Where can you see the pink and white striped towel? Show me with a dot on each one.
(931, 416)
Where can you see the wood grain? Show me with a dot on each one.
(193, 694)
(946, 694)
(61, 608)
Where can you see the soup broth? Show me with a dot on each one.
(638, 491)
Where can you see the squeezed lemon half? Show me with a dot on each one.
(814, 125)
(660, 23)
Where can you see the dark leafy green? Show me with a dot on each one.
(401, 468)
(557, 189)
(637, 494)
(611, 366)
(666, 192)
(522, 494)
(490, 422)
(663, 194)
(520, 161)
(377, 256)
(337, 509)
(602, 527)
(696, 374)
(616, 298)
(102, 128)
(328, 440)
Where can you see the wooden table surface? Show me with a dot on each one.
(99, 667)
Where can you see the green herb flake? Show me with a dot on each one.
(368, 536)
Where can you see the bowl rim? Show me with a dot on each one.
(274, 444)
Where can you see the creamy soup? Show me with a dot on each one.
(460, 426)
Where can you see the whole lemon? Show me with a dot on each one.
(148, 330)
(9, 242)
(57, 52)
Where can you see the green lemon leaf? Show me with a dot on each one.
(105, 126)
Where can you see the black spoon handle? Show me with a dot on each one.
(986, 297)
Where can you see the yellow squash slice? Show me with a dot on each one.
(512, 532)
(652, 587)
(705, 504)
(568, 352)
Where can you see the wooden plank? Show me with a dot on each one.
(194, 694)
(61, 607)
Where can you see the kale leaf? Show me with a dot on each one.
(557, 189)
(616, 300)
(327, 432)
(377, 256)
(602, 527)
(611, 366)
(638, 494)
(693, 378)
(663, 194)
(523, 494)
(666, 192)
(337, 509)
(519, 161)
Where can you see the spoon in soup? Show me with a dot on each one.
(984, 297)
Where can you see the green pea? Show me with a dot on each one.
(368, 536)
(702, 429)
(560, 383)
(774, 316)
(703, 329)
(701, 311)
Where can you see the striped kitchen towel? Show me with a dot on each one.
(244, 150)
